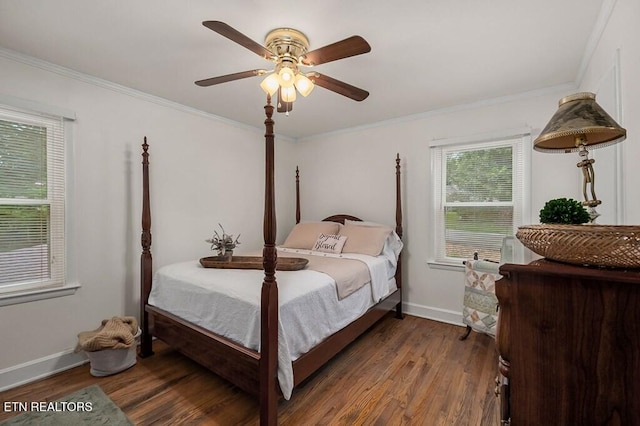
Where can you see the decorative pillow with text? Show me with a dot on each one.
(329, 243)
(304, 235)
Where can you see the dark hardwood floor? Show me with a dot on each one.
(409, 372)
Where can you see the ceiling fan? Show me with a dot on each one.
(289, 50)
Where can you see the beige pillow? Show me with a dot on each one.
(329, 243)
(363, 223)
(364, 239)
(304, 235)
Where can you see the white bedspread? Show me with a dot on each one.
(227, 302)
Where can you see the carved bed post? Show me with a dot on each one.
(399, 232)
(145, 259)
(297, 195)
(269, 298)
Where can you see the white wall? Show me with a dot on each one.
(203, 170)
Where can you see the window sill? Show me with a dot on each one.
(447, 266)
(41, 294)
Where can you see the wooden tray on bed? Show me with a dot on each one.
(252, 262)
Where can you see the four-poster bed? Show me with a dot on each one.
(256, 371)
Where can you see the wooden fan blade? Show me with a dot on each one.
(236, 36)
(229, 77)
(282, 106)
(352, 46)
(338, 86)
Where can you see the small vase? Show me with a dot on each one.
(228, 255)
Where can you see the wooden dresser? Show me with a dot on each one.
(569, 344)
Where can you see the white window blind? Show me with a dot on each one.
(32, 201)
(478, 198)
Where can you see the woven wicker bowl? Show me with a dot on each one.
(594, 245)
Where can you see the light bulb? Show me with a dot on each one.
(303, 84)
(270, 84)
(286, 77)
(288, 94)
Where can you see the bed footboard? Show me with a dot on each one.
(227, 359)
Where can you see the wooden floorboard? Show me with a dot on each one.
(401, 372)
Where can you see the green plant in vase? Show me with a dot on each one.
(564, 211)
(223, 244)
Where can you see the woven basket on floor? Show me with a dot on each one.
(613, 246)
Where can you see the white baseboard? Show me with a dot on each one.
(40, 368)
(436, 314)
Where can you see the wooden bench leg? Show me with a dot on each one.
(466, 333)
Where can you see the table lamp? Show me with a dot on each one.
(579, 123)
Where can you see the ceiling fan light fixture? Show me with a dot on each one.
(303, 84)
(270, 84)
(289, 94)
(288, 49)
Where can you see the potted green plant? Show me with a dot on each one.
(564, 211)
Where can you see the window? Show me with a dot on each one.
(479, 197)
(32, 202)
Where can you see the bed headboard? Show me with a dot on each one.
(340, 218)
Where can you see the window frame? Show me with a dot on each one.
(520, 141)
(36, 113)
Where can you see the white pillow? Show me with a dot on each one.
(329, 243)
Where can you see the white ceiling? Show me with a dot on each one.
(426, 55)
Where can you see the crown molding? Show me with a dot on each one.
(561, 88)
(606, 9)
